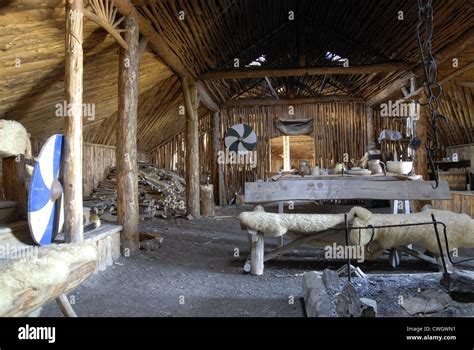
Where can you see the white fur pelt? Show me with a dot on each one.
(48, 268)
(460, 230)
(276, 225)
(14, 139)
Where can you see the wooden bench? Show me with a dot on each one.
(335, 188)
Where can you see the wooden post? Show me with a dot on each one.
(371, 145)
(421, 157)
(65, 306)
(73, 61)
(126, 150)
(192, 148)
(207, 201)
(13, 182)
(286, 153)
(257, 254)
(216, 145)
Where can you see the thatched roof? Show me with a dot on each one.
(213, 34)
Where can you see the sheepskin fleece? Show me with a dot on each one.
(276, 225)
(13, 139)
(460, 230)
(47, 269)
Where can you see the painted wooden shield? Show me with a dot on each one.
(45, 200)
(240, 138)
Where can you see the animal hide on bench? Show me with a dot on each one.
(45, 273)
(294, 225)
(459, 230)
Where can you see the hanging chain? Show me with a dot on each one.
(433, 89)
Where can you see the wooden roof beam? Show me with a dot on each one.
(159, 46)
(303, 71)
(449, 51)
(294, 101)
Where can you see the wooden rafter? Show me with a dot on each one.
(103, 13)
(449, 51)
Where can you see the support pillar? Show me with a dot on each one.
(72, 159)
(192, 148)
(126, 150)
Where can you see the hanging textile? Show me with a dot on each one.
(292, 127)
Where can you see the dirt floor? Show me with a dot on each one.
(198, 272)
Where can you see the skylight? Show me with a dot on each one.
(257, 62)
(331, 56)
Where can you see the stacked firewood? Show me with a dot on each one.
(161, 194)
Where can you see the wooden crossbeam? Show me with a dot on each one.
(291, 101)
(303, 71)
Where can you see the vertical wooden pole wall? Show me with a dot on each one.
(216, 145)
(126, 150)
(72, 158)
(192, 148)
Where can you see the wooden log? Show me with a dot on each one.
(257, 254)
(302, 71)
(192, 148)
(206, 99)
(73, 61)
(207, 201)
(216, 145)
(288, 101)
(370, 129)
(13, 182)
(107, 26)
(126, 151)
(65, 306)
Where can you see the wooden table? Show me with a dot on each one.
(297, 188)
(343, 187)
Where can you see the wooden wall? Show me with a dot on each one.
(171, 155)
(96, 159)
(338, 128)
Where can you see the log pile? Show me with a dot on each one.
(161, 194)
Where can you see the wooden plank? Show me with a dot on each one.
(263, 192)
(73, 226)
